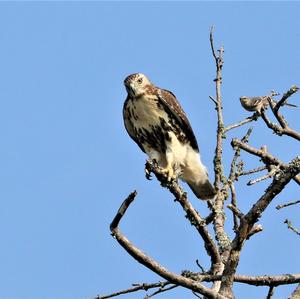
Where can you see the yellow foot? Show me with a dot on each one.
(169, 172)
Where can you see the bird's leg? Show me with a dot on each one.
(169, 172)
(169, 169)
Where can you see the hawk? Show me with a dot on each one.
(155, 120)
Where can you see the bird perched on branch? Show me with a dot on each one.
(155, 120)
(258, 104)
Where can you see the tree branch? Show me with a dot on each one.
(296, 293)
(248, 221)
(192, 215)
(287, 204)
(218, 205)
(270, 292)
(247, 120)
(284, 128)
(266, 157)
(261, 280)
(151, 264)
(136, 288)
(292, 227)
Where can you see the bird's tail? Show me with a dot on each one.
(202, 189)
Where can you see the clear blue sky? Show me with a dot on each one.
(67, 162)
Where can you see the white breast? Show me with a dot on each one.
(147, 112)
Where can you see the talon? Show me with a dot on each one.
(170, 173)
(148, 174)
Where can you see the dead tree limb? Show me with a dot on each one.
(248, 221)
(151, 264)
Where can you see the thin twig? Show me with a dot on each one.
(285, 96)
(284, 128)
(211, 38)
(271, 292)
(270, 174)
(296, 293)
(198, 296)
(287, 204)
(266, 157)
(135, 288)
(254, 170)
(213, 99)
(233, 175)
(161, 290)
(199, 265)
(235, 211)
(242, 122)
(292, 227)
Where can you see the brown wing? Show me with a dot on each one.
(170, 103)
(129, 125)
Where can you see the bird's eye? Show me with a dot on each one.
(140, 80)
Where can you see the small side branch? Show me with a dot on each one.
(247, 120)
(270, 174)
(254, 170)
(161, 290)
(296, 293)
(266, 157)
(287, 204)
(135, 288)
(233, 176)
(284, 128)
(270, 292)
(285, 96)
(292, 227)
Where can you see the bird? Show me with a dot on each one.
(155, 120)
(258, 104)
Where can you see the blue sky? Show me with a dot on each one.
(67, 162)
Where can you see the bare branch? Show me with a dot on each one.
(136, 288)
(285, 96)
(233, 175)
(151, 264)
(254, 170)
(192, 215)
(218, 205)
(161, 290)
(198, 264)
(292, 227)
(248, 221)
(271, 292)
(247, 120)
(211, 38)
(270, 174)
(287, 204)
(213, 99)
(235, 211)
(284, 128)
(296, 293)
(262, 280)
(266, 157)
(254, 230)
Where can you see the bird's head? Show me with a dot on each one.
(136, 84)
